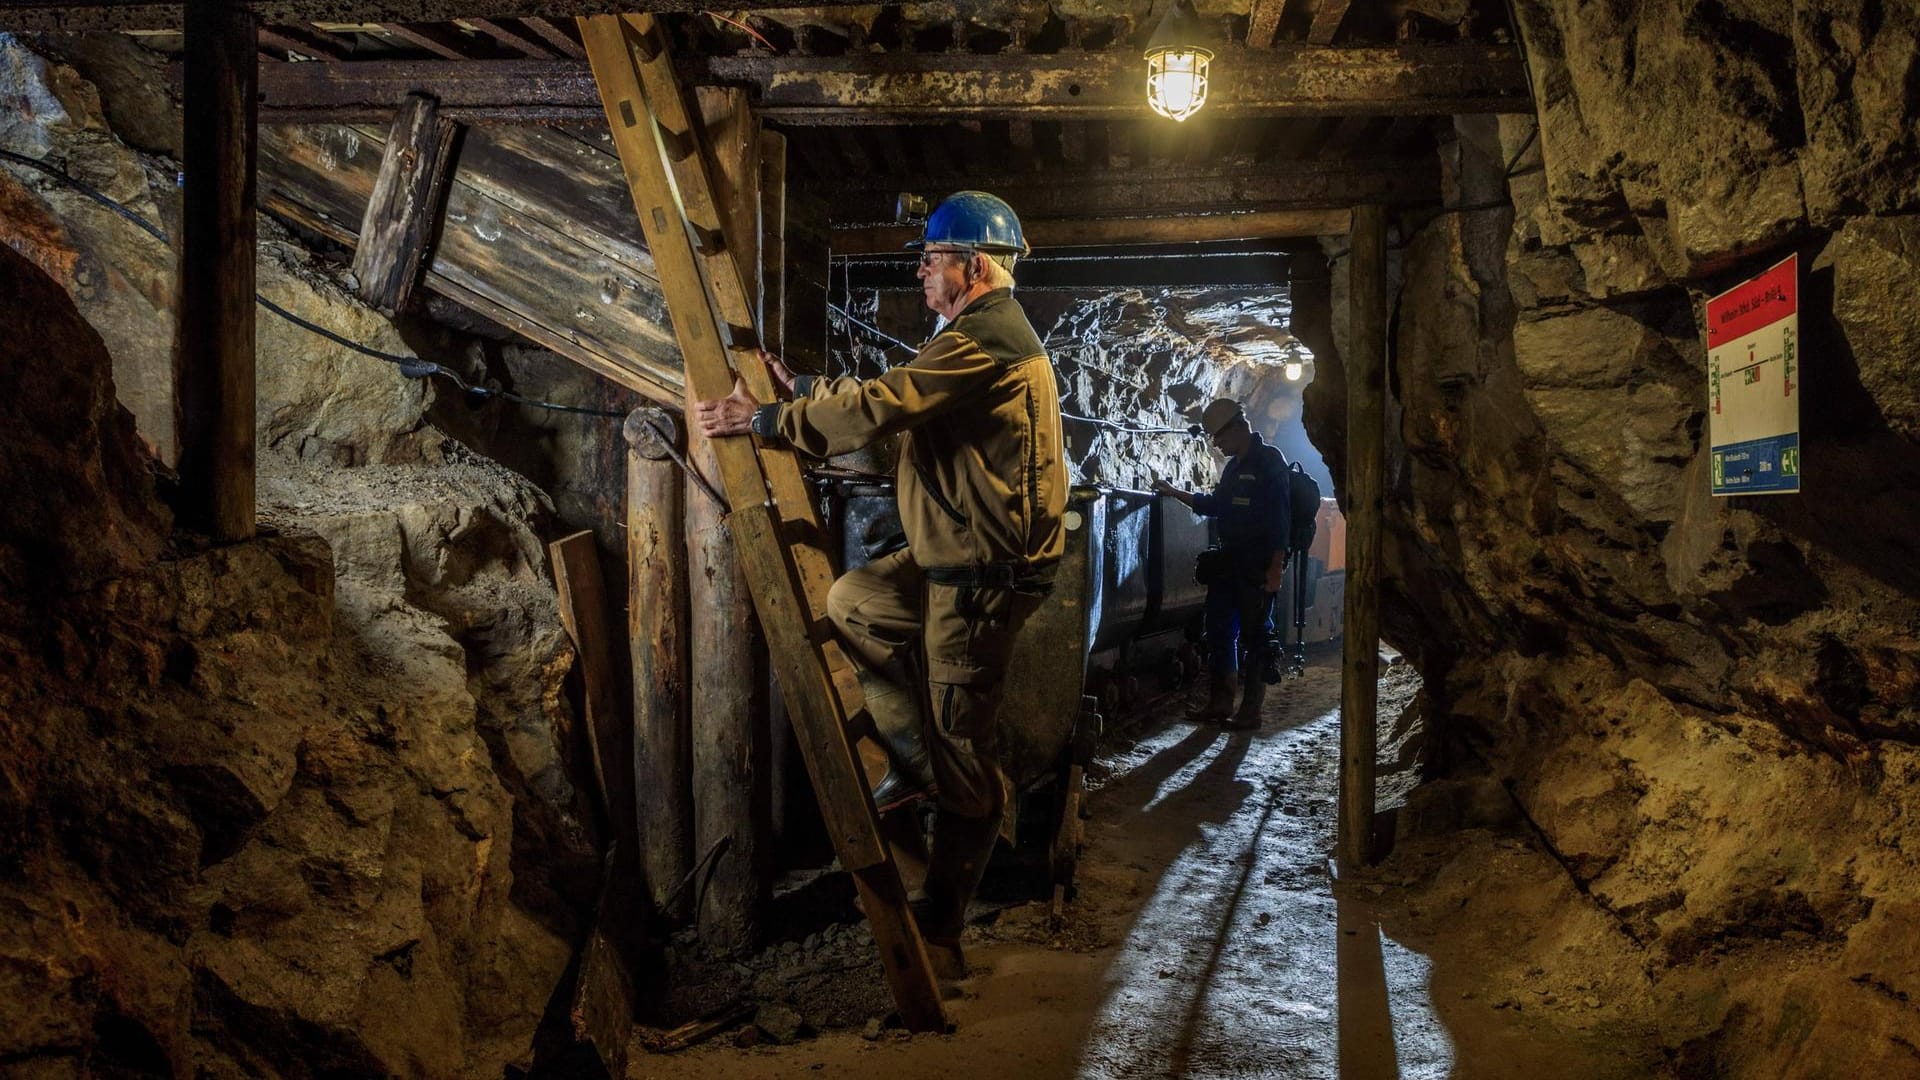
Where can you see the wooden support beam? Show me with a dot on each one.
(537, 221)
(526, 44)
(773, 523)
(1263, 19)
(732, 776)
(1110, 232)
(582, 594)
(657, 639)
(555, 36)
(803, 320)
(438, 40)
(79, 16)
(1160, 190)
(900, 88)
(497, 91)
(1365, 362)
(1327, 17)
(773, 239)
(405, 206)
(215, 316)
(306, 41)
(1287, 80)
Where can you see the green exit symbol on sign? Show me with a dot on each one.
(1719, 470)
(1789, 462)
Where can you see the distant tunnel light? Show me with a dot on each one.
(1177, 63)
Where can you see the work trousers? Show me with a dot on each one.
(960, 640)
(1239, 617)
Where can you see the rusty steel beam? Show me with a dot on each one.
(1098, 192)
(78, 16)
(895, 88)
(1285, 80)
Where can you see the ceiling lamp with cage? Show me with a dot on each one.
(1177, 63)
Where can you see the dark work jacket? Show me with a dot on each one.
(1252, 504)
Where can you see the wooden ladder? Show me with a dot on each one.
(774, 524)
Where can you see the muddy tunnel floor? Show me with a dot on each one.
(1209, 938)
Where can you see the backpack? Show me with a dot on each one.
(1304, 508)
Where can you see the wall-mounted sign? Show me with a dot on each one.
(1753, 384)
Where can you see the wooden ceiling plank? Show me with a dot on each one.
(438, 40)
(1327, 17)
(307, 42)
(525, 44)
(555, 36)
(1262, 21)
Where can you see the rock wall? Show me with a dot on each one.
(302, 805)
(1707, 707)
(1144, 358)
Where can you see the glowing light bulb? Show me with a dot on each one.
(1293, 370)
(1177, 80)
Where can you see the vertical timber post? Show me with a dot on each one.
(810, 266)
(732, 791)
(657, 640)
(1365, 363)
(773, 239)
(215, 317)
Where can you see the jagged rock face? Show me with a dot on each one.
(1708, 706)
(1138, 358)
(254, 821)
(85, 442)
(316, 400)
(299, 805)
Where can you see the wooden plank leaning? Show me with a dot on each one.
(405, 204)
(815, 677)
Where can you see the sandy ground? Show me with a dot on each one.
(1209, 938)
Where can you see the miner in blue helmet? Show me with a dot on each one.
(982, 486)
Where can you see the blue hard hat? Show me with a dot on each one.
(974, 219)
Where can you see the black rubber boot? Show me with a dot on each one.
(1219, 703)
(1247, 717)
(896, 721)
(961, 848)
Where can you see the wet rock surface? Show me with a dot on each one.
(1703, 707)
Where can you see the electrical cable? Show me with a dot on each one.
(412, 367)
(1114, 425)
(666, 443)
(757, 36)
(892, 342)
